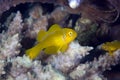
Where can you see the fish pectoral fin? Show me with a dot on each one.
(111, 53)
(51, 50)
(40, 35)
(54, 27)
(64, 48)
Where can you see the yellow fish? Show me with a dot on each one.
(111, 46)
(55, 40)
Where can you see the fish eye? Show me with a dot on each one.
(70, 33)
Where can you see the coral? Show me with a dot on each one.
(6, 4)
(57, 16)
(86, 31)
(35, 26)
(101, 15)
(10, 40)
(24, 68)
(15, 65)
(95, 67)
(35, 22)
(2, 67)
(65, 62)
(35, 12)
(48, 73)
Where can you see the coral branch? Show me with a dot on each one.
(96, 67)
(64, 62)
(10, 40)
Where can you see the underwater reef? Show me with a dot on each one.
(93, 55)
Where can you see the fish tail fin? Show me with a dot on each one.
(32, 53)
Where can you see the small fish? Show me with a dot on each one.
(111, 46)
(55, 40)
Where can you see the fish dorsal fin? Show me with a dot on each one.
(54, 27)
(40, 35)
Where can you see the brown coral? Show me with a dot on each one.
(92, 7)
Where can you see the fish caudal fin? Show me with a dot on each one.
(32, 53)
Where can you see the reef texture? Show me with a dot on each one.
(6, 4)
(21, 34)
(84, 7)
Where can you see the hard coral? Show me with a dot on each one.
(24, 68)
(62, 66)
(10, 42)
(65, 62)
(96, 67)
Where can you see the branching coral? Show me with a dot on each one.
(96, 67)
(10, 40)
(64, 66)
(65, 62)
(24, 68)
